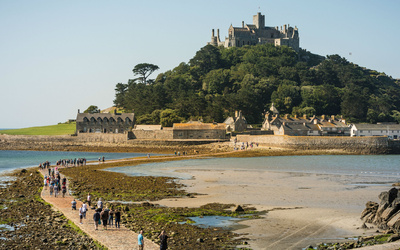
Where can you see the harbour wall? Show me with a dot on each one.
(360, 145)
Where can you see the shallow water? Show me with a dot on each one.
(358, 169)
(215, 221)
(13, 159)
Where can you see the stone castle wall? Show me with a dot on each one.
(364, 145)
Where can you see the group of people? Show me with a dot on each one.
(102, 215)
(111, 217)
(179, 153)
(243, 145)
(71, 162)
(105, 216)
(44, 165)
(54, 182)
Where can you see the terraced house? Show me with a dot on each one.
(104, 122)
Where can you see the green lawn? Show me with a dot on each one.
(59, 129)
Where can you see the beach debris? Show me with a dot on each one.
(238, 209)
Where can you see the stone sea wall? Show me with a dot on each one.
(361, 145)
(90, 142)
(357, 145)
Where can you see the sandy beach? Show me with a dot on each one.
(302, 209)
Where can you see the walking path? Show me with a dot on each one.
(112, 238)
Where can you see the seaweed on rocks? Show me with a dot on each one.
(28, 222)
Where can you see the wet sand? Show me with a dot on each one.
(302, 209)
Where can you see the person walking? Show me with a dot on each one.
(51, 189)
(64, 190)
(85, 210)
(100, 204)
(96, 218)
(163, 240)
(140, 240)
(104, 218)
(45, 182)
(117, 215)
(55, 190)
(111, 217)
(73, 204)
(89, 199)
(81, 211)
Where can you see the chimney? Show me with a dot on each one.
(295, 116)
(212, 33)
(79, 111)
(236, 113)
(315, 121)
(287, 116)
(218, 35)
(332, 117)
(323, 117)
(305, 117)
(242, 24)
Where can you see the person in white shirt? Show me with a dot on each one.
(85, 207)
(81, 211)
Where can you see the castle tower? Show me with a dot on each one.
(259, 21)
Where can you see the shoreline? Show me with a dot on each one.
(294, 218)
(285, 225)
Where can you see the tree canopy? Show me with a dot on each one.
(92, 109)
(217, 81)
(144, 70)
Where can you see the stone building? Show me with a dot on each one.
(237, 123)
(104, 122)
(294, 126)
(258, 33)
(305, 126)
(333, 126)
(196, 131)
(199, 131)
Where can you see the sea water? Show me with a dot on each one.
(12, 159)
(367, 169)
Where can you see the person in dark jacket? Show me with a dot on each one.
(96, 218)
(117, 215)
(104, 218)
(163, 240)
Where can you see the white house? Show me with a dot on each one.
(363, 129)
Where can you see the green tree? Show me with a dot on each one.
(92, 109)
(144, 70)
(120, 93)
(168, 117)
(205, 60)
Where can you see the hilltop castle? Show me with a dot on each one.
(258, 33)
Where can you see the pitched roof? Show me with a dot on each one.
(367, 126)
(123, 116)
(299, 127)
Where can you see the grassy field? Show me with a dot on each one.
(59, 129)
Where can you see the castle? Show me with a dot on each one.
(258, 33)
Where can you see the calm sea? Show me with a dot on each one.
(368, 169)
(10, 159)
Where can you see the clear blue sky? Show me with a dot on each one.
(60, 56)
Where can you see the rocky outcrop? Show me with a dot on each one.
(386, 214)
